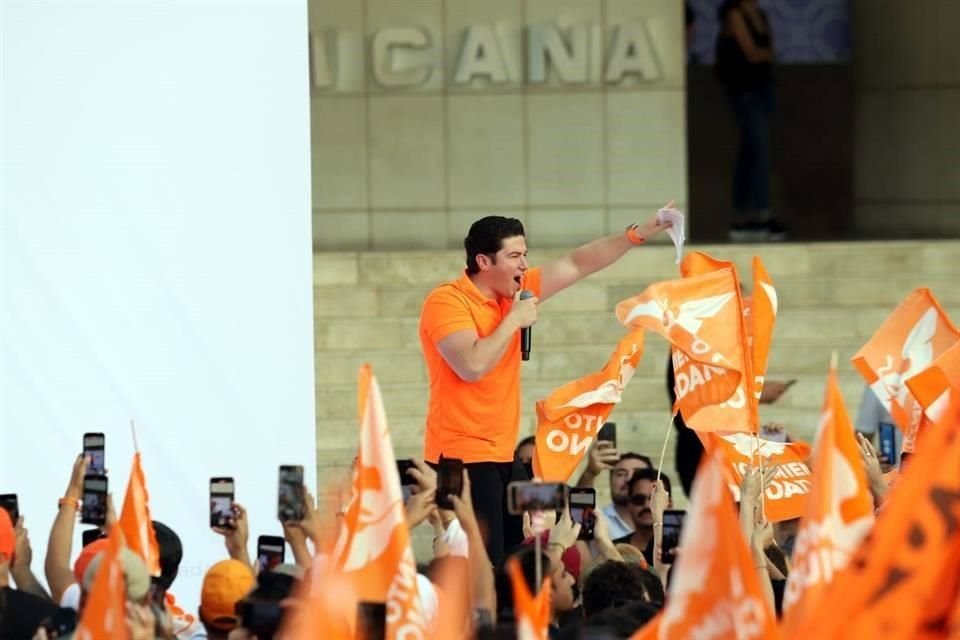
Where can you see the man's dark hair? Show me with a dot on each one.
(527, 557)
(612, 584)
(260, 612)
(654, 588)
(651, 475)
(621, 622)
(486, 237)
(171, 553)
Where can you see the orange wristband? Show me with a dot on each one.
(634, 237)
(68, 502)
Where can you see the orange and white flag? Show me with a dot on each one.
(135, 521)
(373, 548)
(742, 411)
(533, 613)
(786, 495)
(329, 605)
(105, 612)
(715, 592)
(701, 318)
(909, 341)
(903, 581)
(839, 511)
(570, 417)
(934, 386)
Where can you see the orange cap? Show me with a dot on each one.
(87, 554)
(225, 584)
(8, 538)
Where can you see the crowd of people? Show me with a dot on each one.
(605, 587)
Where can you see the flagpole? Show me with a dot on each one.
(663, 451)
(133, 432)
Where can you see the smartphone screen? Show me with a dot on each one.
(271, 552)
(608, 432)
(887, 442)
(290, 502)
(583, 505)
(94, 447)
(91, 535)
(536, 496)
(94, 507)
(407, 482)
(10, 504)
(672, 527)
(449, 481)
(221, 503)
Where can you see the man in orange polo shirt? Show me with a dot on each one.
(469, 331)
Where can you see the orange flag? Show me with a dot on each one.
(568, 420)
(742, 411)
(105, 612)
(373, 549)
(715, 591)
(329, 608)
(700, 316)
(915, 334)
(786, 495)
(135, 521)
(902, 583)
(933, 386)
(533, 613)
(839, 511)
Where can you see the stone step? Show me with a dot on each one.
(655, 262)
(405, 300)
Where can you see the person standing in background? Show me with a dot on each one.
(744, 60)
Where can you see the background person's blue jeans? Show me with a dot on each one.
(751, 174)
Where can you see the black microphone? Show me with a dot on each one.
(526, 334)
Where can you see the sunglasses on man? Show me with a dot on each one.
(639, 500)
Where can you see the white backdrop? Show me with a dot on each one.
(155, 255)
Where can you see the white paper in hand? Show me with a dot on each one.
(676, 231)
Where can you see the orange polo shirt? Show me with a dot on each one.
(474, 421)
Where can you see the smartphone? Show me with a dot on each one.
(10, 503)
(94, 447)
(291, 504)
(536, 496)
(407, 483)
(608, 432)
(271, 552)
(583, 510)
(672, 527)
(93, 510)
(887, 441)
(371, 620)
(92, 535)
(449, 481)
(221, 503)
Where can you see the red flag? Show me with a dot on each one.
(909, 341)
(700, 317)
(374, 545)
(135, 521)
(105, 612)
(569, 419)
(839, 511)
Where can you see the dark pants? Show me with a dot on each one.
(751, 176)
(488, 491)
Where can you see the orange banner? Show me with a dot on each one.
(532, 612)
(909, 341)
(700, 317)
(135, 521)
(933, 386)
(569, 419)
(839, 512)
(715, 591)
(105, 612)
(373, 549)
(904, 582)
(786, 495)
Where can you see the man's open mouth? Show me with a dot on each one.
(516, 279)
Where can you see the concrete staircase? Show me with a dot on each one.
(832, 296)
